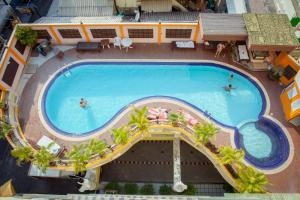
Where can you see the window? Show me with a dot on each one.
(289, 72)
(20, 47)
(178, 33)
(10, 72)
(43, 34)
(140, 33)
(103, 33)
(69, 33)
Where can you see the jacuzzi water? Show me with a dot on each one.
(109, 87)
(257, 143)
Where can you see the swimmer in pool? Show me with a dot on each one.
(231, 77)
(83, 103)
(228, 88)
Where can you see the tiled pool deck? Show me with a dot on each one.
(287, 180)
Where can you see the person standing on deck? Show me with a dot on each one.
(220, 48)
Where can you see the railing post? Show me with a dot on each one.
(159, 32)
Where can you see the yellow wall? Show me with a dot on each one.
(287, 101)
(159, 31)
(12, 52)
(284, 60)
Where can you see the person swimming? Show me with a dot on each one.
(83, 103)
(228, 88)
(231, 77)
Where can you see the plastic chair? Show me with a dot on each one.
(117, 42)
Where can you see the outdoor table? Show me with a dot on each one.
(126, 43)
(46, 141)
(243, 53)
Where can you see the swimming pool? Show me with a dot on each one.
(109, 87)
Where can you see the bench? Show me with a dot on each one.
(88, 46)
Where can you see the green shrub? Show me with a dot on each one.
(131, 188)
(26, 35)
(147, 189)
(295, 21)
(113, 186)
(191, 190)
(228, 188)
(165, 190)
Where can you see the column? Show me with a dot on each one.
(178, 186)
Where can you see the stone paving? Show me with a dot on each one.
(286, 181)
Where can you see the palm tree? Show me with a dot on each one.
(205, 131)
(121, 135)
(228, 155)
(176, 119)
(139, 119)
(22, 153)
(6, 129)
(96, 147)
(42, 158)
(251, 181)
(79, 157)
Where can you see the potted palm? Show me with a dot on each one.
(251, 181)
(79, 157)
(139, 119)
(43, 158)
(230, 157)
(3, 106)
(275, 72)
(204, 132)
(6, 129)
(26, 35)
(96, 147)
(176, 119)
(22, 153)
(121, 135)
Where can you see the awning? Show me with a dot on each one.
(223, 27)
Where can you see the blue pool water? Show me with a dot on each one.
(109, 87)
(257, 142)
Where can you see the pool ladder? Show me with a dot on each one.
(66, 72)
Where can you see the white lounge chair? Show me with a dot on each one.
(117, 42)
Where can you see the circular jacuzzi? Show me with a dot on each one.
(264, 142)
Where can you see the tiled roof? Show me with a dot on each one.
(269, 30)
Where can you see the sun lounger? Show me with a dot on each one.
(189, 118)
(157, 113)
(46, 141)
(88, 46)
(183, 45)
